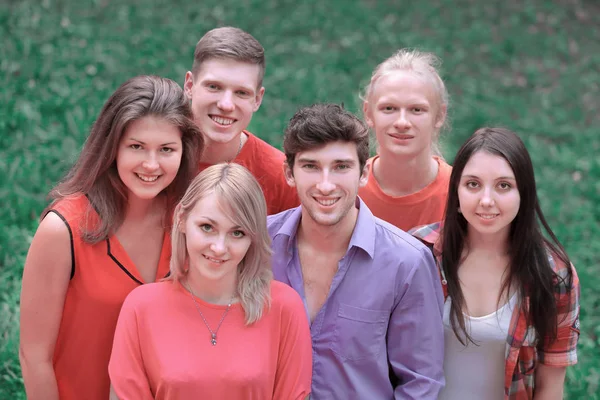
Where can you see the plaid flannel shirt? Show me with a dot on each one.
(522, 353)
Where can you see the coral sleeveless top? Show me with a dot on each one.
(102, 275)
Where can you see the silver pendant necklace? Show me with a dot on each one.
(213, 335)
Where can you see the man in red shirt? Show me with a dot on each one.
(225, 89)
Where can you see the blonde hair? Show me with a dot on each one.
(240, 194)
(423, 64)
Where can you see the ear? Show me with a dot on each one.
(367, 114)
(289, 175)
(364, 176)
(441, 116)
(258, 99)
(188, 84)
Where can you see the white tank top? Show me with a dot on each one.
(477, 372)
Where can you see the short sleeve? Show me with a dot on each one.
(294, 368)
(563, 351)
(126, 367)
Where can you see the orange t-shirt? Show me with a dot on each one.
(265, 163)
(423, 207)
(102, 276)
(162, 348)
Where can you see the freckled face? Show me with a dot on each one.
(488, 195)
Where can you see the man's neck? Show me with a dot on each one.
(331, 238)
(215, 153)
(401, 177)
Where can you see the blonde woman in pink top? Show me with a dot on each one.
(219, 327)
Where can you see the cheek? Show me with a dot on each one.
(242, 247)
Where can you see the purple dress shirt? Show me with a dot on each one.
(379, 334)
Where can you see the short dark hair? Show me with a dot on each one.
(230, 43)
(320, 124)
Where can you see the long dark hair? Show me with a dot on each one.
(95, 172)
(530, 268)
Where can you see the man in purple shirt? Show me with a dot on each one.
(371, 291)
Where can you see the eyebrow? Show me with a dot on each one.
(336, 161)
(248, 88)
(164, 144)
(212, 221)
(511, 178)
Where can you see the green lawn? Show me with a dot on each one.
(530, 65)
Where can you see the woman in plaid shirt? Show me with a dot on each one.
(512, 296)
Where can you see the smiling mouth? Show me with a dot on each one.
(215, 260)
(148, 178)
(487, 216)
(222, 120)
(327, 202)
(402, 137)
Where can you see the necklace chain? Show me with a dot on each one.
(239, 148)
(213, 335)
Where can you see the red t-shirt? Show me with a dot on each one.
(102, 276)
(420, 208)
(265, 162)
(162, 348)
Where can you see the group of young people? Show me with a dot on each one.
(183, 257)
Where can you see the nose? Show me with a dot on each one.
(325, 185)
(150, 163)
(487, 198)
(225, 103)
(402, 122)
(218, 245)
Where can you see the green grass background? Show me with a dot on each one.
(530, 65)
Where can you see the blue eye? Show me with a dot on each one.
(206, 227)
(238, 234)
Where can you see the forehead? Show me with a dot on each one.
(152, 128)
(485, 164)
(330, 153)
(214, 207)
(404, 86)
(229, 71)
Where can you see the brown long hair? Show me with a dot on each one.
(95, 174)
(530, 267)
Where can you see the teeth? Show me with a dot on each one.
(327, 202)
(488, 216)
(222, 121)
(214, 260)
(147, 178)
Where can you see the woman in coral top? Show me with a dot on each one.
(219, 327)
(405, 104)
(105, 233)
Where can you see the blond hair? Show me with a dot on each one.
(239, 193)
(422, 64)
